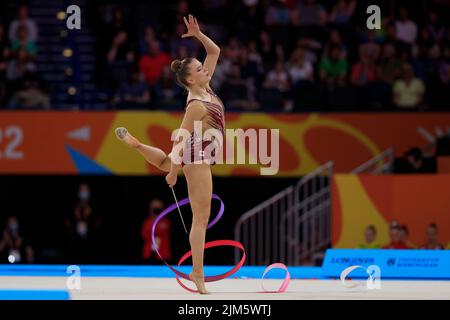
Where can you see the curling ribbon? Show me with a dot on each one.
(347, 271)
(212, 244)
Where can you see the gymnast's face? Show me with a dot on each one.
(198, 74)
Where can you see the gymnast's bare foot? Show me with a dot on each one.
(198, 279)
(123, 135)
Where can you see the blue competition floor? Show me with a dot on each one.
(160, 271)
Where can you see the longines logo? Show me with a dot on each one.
(353, 260)
(391, 262)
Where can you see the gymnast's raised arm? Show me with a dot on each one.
(212, 50)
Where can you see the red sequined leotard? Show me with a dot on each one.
(216, 120)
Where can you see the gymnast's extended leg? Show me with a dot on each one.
(154, 156)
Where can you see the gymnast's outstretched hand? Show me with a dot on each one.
(193, 29)
(171, 178)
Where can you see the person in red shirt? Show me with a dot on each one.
(152, 64)
(432, 238)
(162, 235)
(396, 241)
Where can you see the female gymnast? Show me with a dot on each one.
(205, 106)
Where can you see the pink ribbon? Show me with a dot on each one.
(212, 244)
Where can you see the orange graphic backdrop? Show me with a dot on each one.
(79, 142)
(414, 200)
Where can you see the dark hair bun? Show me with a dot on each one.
(175, 66)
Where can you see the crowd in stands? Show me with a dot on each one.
(287, 55)
(399, 238)
(20, 83)
(276, 55)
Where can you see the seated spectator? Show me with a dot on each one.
(342, 12)
(408, 91)
(335, 40)
(249, 68)
(363, 77)
(333, 68)
(406, 29)
(32, 96)
(364, 71)
(19, 64)
(167, 93)
(266, 48)
(221, 72)
(148, 36)
(277, 78)
(395, 236)
(312, 18)
(23, 20)
(432, 238)
(134, 93)
(277, 81)
(13, 247)
(370, 235)
(404, 237)
(152, 64)
(4, 56)
(22, 42)
(299, 68)
(435, 27)
(277, 14)
(439, 93)
(414, 161)
(370, 45)
(235, 91)
(120, 57)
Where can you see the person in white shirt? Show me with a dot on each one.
(23, 20)
(406, 29)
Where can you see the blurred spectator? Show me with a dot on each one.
(312, 13)
(277, 14)
(235, 91)
(414, 161)
(432, 238)
(409, 90)
(23, 20)
(435, 28)
(333, 68)
(22, 42)
(404, 236)
(81, 227)
(148, 36)
(120, 57)
(4, 56)
(299, 68)
(31, 96)
(221, 72)
(152, 64)
(13, 247)
(370, 235)
(167, 93)
(342, 12)
(363, 76)
(162, 235)
(133, 93)
(277, 86)
(335, 40)
(406, 29)
(395, 236)
(277, 78)
(267, 50)
(19, 64)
